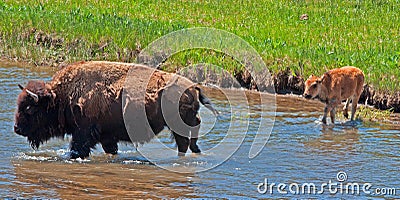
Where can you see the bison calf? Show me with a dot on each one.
(333, 87)
(86, 99)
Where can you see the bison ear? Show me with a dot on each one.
(50, 92)
(20, 87)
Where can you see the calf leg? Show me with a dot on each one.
(332, 113)
(328, 109)
(354, 106)
(182, 143)
(346, 109)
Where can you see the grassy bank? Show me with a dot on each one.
(365, 34)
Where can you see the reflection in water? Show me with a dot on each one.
(91, 180)
(340, 139)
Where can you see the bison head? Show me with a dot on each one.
(313, 87)
(35, 117)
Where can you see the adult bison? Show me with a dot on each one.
(333, 87)
(91, 100)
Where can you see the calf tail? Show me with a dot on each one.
(206, 102)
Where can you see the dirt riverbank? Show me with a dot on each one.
(60, 54)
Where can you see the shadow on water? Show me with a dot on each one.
(94, 180)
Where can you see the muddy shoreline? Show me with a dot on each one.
(283, 82)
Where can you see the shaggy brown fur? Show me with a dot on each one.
(334, 86)
(88, 100)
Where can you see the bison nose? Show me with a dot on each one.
(307, 96)
(17, 130)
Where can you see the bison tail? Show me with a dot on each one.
(206, 102)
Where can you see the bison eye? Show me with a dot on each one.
(30, 110)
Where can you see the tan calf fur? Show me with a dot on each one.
(333, 87)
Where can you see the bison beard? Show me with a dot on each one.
(85, 100)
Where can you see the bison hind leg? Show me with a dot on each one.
(182, 143)
(193, 145)
(194, 137)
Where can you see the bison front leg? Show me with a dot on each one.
(110, 147)
(182, 143)
(193, 140)
(194, 135)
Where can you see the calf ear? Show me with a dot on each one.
(323, 77)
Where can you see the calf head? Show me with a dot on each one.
(34, 117)
(312, 87)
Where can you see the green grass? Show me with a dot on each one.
(363, 33)
(367, 114)
(371, 114)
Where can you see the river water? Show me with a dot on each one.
(300, 152)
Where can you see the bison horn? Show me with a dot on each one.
(20, 87)
(33, 95)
